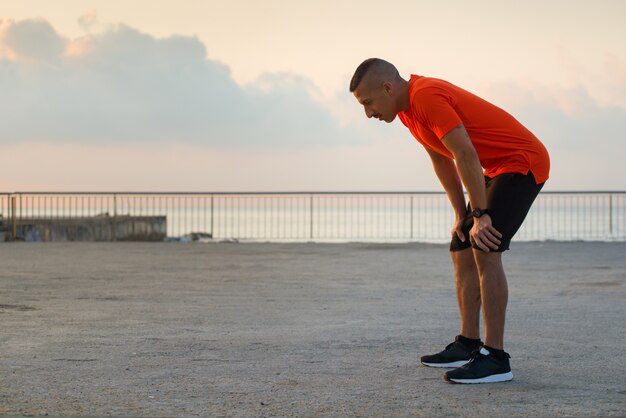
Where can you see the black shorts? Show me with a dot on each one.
(509, 198)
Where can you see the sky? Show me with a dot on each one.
(189, 95)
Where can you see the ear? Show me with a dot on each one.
(388, 87)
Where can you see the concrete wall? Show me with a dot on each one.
(99, 228)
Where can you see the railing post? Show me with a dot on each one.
(311, 216)
(611, 214)
(212, 234)
(411, 217)
(20, 217)
(13, 219)
(114, 234)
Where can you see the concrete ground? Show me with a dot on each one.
(249, 330)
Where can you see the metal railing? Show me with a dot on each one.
(318, 216)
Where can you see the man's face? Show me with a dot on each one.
(377, 101)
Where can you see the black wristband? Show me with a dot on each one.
(477, 213)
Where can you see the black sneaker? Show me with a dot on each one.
(483, 367)
(455, 354)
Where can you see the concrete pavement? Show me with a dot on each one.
(172, 329)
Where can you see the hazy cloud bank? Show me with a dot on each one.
(124, 85)
(118, 86)
(568, 120)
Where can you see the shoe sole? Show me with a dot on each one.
(494, 378)
(451, 364)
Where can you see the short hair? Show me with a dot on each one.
(378, 65)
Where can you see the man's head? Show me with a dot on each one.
(377, 85)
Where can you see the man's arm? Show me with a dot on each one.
(471, 174)
(449, 178)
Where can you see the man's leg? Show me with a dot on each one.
(509, 197)
(490, 364)
(494, 294)
(459, 352)
(467, 291)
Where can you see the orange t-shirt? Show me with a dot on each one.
(502, 143)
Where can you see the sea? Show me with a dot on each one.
(328, 217)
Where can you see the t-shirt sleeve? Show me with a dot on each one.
(433, 107)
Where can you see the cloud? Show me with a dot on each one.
(615, 81)
(88, 20)
(122, 85)
(161, 99)
(585, 137)
(569, 119)
(31, 41)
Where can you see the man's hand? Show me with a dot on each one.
(458, 228)
(484, 234)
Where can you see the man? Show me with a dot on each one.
(501, 164)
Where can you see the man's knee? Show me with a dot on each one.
(463, 259)
(487, 261)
